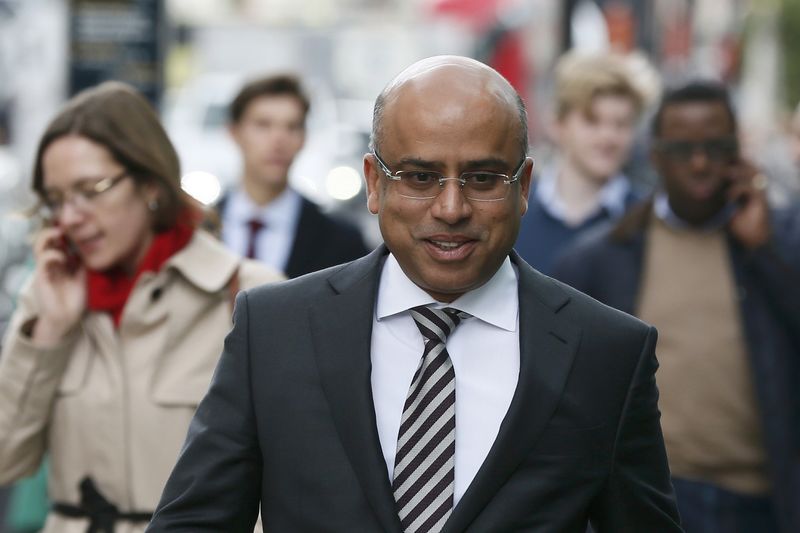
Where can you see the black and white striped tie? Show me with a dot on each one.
(425, 461)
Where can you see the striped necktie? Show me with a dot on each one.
(425, 460)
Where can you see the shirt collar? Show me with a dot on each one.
(276, 214)
(665, 213)
(495, 302)
(612, 195)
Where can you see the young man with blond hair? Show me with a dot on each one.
(597, 107)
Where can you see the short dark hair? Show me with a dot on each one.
(277, 85)
(694, 91)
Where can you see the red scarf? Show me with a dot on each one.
(109, 290)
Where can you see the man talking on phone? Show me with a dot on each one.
(717, 271)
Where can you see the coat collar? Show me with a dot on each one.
(342, 343)
(205, 262)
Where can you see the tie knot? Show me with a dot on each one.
(255, 225)
(437, 324)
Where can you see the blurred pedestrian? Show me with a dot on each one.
(718, 273)
(119, 330)
(263, 217)
(598, 105)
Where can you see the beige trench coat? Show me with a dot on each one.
(116, 405)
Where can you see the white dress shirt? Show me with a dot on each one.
(484, 350)
(280, 218)
(611, 197)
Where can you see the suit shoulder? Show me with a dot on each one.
(588, 312)
(601, 253)
(594, 241)
(302, 291)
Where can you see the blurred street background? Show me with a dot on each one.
(191, 56)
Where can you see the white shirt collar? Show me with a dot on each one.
(495, 302)
(612, 194)
(276, 214)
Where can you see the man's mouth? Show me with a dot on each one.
(447, 245)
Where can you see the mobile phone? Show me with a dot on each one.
(72, 257)
(71, 252)
(734, 157)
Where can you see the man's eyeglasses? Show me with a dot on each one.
(717, 150)
(476, 185)
(81, 195)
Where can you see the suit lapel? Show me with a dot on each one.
(341, 328)
(547, 349)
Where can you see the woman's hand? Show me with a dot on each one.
(59, 286)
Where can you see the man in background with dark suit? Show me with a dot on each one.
(440, 383)
(264, 218)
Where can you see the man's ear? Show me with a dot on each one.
(372, 177)
(525, 184)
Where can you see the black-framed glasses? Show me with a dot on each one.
(81, 195)
(479, 185)
(718, 149)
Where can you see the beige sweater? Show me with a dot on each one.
(710, 418)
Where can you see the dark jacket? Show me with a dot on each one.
(289, 421)
(607, 265)
(542, 236)
(320, 241)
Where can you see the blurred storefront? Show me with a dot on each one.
(189, 55)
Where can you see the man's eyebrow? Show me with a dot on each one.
(418, 163)
(487, 162)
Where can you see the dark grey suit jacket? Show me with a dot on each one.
(289, 420)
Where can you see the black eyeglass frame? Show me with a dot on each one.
(717, 149)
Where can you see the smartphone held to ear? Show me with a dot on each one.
(73, 259)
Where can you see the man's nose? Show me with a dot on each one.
(698, 158)
(451, 205)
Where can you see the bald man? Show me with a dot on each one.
(439, 383)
